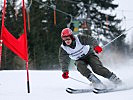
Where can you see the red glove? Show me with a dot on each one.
(98, 49)
(65, 75)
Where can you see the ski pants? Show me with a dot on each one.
(95, 64)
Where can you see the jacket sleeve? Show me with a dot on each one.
(64, 59)
(88, 40)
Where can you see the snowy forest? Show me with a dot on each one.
(47, 18)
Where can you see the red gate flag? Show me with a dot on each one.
(18, 46)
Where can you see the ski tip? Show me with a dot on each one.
(69, 90)
(98, 91)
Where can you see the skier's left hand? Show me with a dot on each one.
(98, 49)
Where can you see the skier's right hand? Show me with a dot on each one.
(65, 75)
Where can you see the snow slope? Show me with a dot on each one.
(49, 85)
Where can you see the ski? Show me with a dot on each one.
(76, 91)
(98, 91)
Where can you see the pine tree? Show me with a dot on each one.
(106, 24)
(44, 41)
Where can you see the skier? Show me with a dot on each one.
(81, 49)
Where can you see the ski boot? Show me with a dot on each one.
(115, 79)
(96, 83)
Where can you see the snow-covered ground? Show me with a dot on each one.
(49, 85)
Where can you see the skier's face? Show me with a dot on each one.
(67, 40)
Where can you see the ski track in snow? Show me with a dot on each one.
(49, 85)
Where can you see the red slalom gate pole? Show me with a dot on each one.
(1, 41)
(28, 82)
(27, 70)
(0, 53)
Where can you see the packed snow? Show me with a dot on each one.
(49, 85)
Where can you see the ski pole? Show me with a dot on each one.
(116, 37)
(79, 81)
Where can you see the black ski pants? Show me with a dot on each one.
(95, 64)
